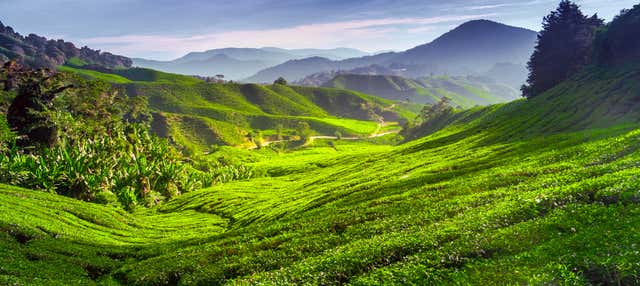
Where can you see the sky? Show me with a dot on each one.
(167, 29)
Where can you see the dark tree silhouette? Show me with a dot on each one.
(614, 44)
(36, 91)
(564, 46)
(281, 81)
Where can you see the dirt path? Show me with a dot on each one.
(373, 135)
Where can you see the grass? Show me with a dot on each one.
(112, 78)
(206, 114)
(543, 191)
(197, 115)
(464, 92)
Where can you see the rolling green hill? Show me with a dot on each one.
(197, 115)
(556, 173)
(464, 91)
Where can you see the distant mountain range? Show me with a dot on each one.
(35, 51)
(239, 63)
(472, 48)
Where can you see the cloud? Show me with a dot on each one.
(485, 7)
(503, 5)
(356, 33)
(421, 29)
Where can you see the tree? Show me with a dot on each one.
(338, 134)
(431, 112)
(304, 130)
(281, 81)
(619, 43)
(564, 47)
(279, 132)
(36, 91)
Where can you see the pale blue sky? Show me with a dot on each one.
(164, 29)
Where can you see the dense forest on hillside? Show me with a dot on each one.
(38, 52)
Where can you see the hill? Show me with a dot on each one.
(470, 49)
(464, 92)
(240, 63)
(554, 173)
(35, 51)
(538, 191)
(197, 115)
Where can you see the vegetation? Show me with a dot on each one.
(464, 92)
(197, 115)
(443, 209)
(281, 81)
(565, 45)
(86, 140)
(613, 45)
(538, 191)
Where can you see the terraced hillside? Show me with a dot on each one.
(556, 173)
(197, 115)
(464, 91)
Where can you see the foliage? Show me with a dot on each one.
(198, 115)
(304, 131)
(564, 47)
(613, 44)
(130, 163)
(104, 146)
(280, 81)
(431, 118)
(433, 111)
(463, 91)
(493, 197)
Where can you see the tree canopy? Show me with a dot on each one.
(281, 81)
(613, 44)
(564, 46)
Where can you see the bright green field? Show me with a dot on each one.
(541, 192)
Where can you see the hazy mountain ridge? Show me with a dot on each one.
(472, 48)
(240, 63)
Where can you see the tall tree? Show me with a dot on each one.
(619, 43)
(564, 47)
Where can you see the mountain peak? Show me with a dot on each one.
(486, 25)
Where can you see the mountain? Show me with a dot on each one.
(464, 92)
(211, 65)
(291, 70)
(239, 63)
(472, 48)
(510, 74)
(35, 51)
(296, 70)
(333, 54)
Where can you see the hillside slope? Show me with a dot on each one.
(198, 115)
(464, 91)
(539, 191)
